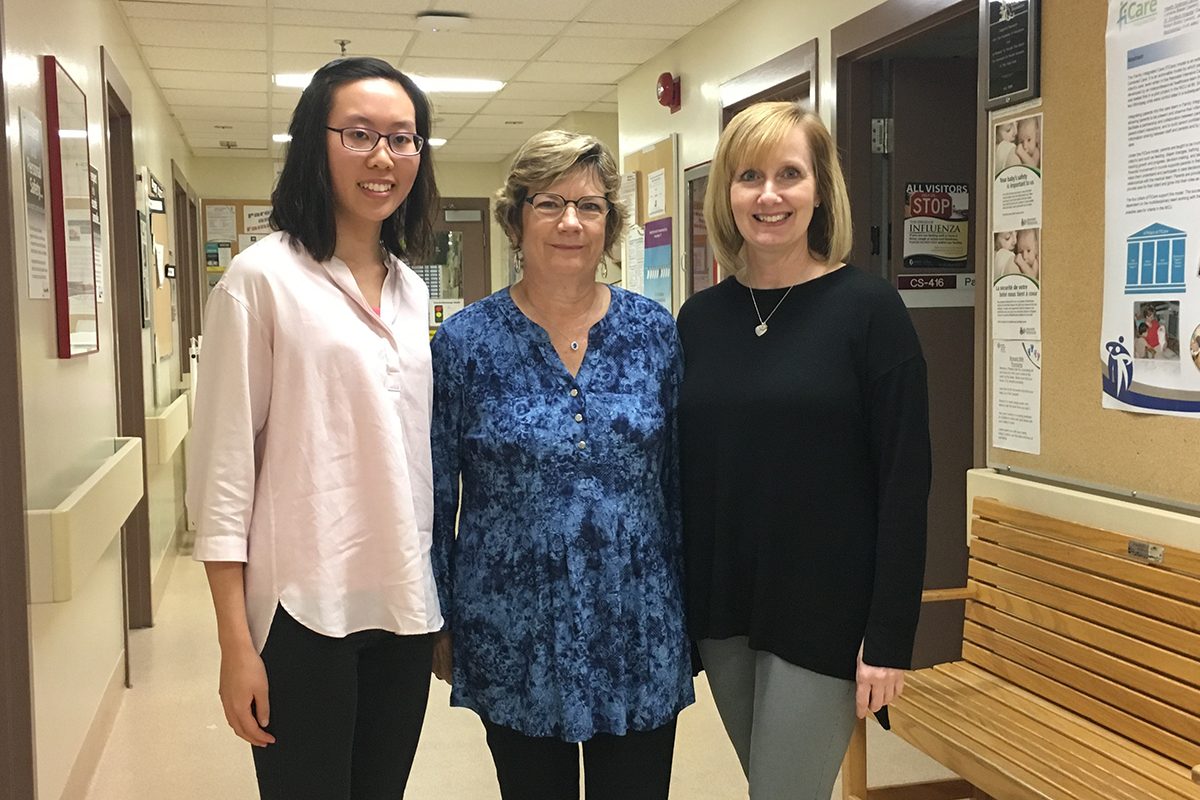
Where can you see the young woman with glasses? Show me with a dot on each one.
(554, 410)
(310, 474)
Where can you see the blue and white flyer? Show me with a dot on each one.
(1150, 332)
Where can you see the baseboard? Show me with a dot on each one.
(84, 769)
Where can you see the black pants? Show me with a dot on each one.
(345, 713)
(636, 766)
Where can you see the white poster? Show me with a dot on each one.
(629, 197)
(1150, 330)
(37, 242)
(1017, 395)
(256, 219)
(221, 223)
(1015, 258)
(635, 259)
(656, 193)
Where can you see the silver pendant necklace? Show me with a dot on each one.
(761, 327)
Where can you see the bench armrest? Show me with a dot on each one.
(943, 595)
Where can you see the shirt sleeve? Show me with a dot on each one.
(446, 440)
(898, 419)
(232, 398)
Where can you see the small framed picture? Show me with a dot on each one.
(1010, 33)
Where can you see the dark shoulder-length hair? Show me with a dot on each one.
(302, 203)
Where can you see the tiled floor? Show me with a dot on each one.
(171, 742)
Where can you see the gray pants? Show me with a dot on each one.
(790, 726)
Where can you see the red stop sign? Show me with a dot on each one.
(930, 204)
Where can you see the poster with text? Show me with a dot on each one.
(935, 225)
(1015, 252)
(37, 243)
(1017, 395)
(1149, 347)
(657, 261)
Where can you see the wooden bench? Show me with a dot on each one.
(1080, 671)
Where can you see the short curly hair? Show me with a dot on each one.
(546, 158)
(754, 133)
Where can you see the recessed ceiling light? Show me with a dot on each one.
(281, 138)
(436, 142)
(439, 21)
(465, 85)
(292, 80)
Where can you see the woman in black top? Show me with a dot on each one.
(805, 460)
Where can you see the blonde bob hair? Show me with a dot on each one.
(545, 158)
(753, 135)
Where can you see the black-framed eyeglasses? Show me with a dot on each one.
(552, 206)
(363, 140)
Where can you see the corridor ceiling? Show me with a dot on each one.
(214, 59)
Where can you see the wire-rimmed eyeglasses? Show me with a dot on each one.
(364, 140)
(552, 206)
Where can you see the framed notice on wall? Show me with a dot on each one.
(1010, 34)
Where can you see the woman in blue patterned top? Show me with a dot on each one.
(554, 403)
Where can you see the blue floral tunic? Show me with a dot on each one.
(563, 586)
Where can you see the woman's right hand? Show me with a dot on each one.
(443, 657)
(244, 695)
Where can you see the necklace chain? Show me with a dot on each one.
(761, 327)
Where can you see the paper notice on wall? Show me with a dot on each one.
(1150, 329)
(635, 259)
(256, 219)
(221, 222)
(656, 193)
(629, 198)
(97, 233)
(160, 262)
(247, 239)
(657, 261)
(1015, 252)
(37, 245)
(1017, 395)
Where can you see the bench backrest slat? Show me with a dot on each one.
(1062, 610)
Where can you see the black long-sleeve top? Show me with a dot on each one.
(805, 467)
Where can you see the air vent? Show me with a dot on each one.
(228, 144)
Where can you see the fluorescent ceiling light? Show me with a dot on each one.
(465, 85)
(281, 138)
(292, 80)
(67, 133)
(436, 142)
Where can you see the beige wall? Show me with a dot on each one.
(69, 406)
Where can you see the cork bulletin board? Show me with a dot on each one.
(1081, 443)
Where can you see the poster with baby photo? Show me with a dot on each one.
(1017, 172)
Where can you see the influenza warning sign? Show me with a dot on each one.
(935, 225)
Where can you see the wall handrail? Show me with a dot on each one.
(166, 431)
(66, 541)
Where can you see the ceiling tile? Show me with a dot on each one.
(525, 9)
(532, 107)
(342, 18)
(612, 51)
(481, 158)
(520, 90)
(456, 104)
(179, 33)
(446, 124)
(570, 72)
(217, 152)
(360, 6)
(603, 108)
(224, 113)
(660, 12)
(472, 46)
(627, 31)
(222, 81)
(321, 39)
(192, 58)
(224, 128)
(195, 97)
(284, 61)
(497, 135)
(195, 11)
(491, 69)
(523, 122)
(526, 27)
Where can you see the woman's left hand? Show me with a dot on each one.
(877, 686)
(443, 657)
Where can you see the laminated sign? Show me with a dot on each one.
(935, 225)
